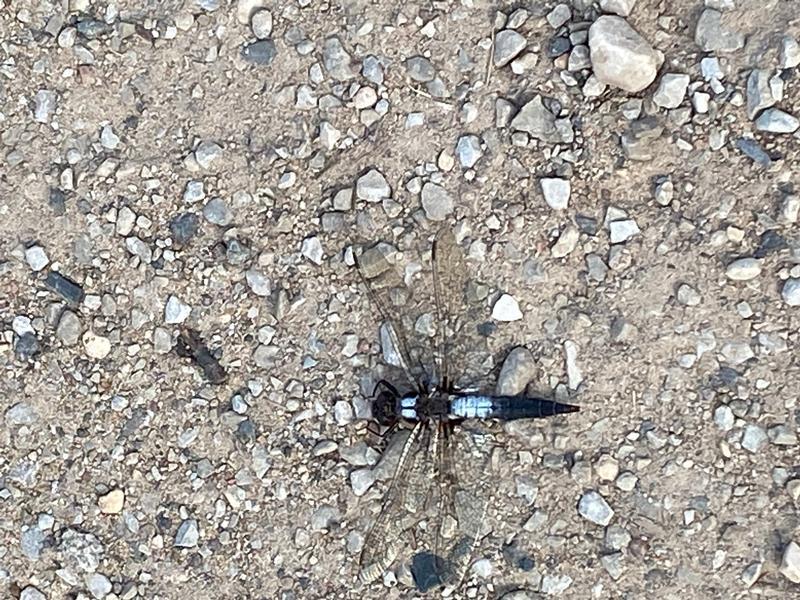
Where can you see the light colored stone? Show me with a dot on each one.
(112, 502)
(671, 90)
(594, 508)
(790, 563)
(791, 292)
(506, 309)
(622, 8)
(556, 192)
(96, 346)
(620, 56)
(744, 269)
(566, 242)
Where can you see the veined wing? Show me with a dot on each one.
(466, 490)
(405, 328)
(404, 504)
(462, 354)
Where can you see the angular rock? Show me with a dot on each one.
(337, 61)
(744, 269)
(712, 36)
(775, 120)
(791, 292)
(507, 45)
(622, 8)
(671, 90)
(537, 121)
(518, 369)
(620, 56)
(566, 242)
(436, 202)
(373, 187)
(420, 69)
(506, 309)
(556, 192)
(759, 92)
(593, 507)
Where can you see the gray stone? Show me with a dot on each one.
(184, 227)
(612, 563)
(596, 267)
(775, 120)
(325, 517)
(507, 45)
(737, 353)
(754, 151)
(754, 438)
(556, 192)
(537, 121)
(687, 295)
(638, 141)
(69, 328)
(81, 552)
(139, 248)
(671, 90)
(789, 56)
(312, 249)
(724, 417)
(560, 14)
(620, 56)
(176, 311)
(744, 269)
(361, 480)
(790, 562)
(337, 61)
(593, 507)
(468, 150)
(187, 534)
(518, 369)
(373, 187)
(712, 36)
(207, 153)
(36, 258)
(372, 69)
(109, 139)
(791, 292)
(32, 541)
(258, 282)
(98, 584)
(216, 211)
(260, 53)
(555, 585)
(623, 230)
(616, 538)
(21, 413)
(759, 92)
(194, 192)
(579, 59)
(622, 8)
(506, 309)
(711, 69)
(31, 593)
(664, 192)
(420, 69)
(436, 202)
(751, 573)
(44, 105)
(782, 435)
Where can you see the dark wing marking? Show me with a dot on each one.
(399, 308)
(404, 504)
(460, 346)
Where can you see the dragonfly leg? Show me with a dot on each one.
(373, 428)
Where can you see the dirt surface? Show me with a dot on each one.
(160, 170)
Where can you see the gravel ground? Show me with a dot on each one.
(624, 185)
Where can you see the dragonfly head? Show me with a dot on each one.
(384, 408)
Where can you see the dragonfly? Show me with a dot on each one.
(433, 496)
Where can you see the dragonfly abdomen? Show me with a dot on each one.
(507, 408)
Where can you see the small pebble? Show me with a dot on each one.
(216, 211)
(506, 309)
(754, 438)
(260, 53)
(623, 230)
(518, 369)
(112, 502)
(187, 534)
(790, 562)
(507, 45)
(312, 249)
(373, 187)
(176, 311)
(744, 269)
(261, 24)
(566, 242)
(556, 192)
(96, 346)
(687, 295)
(36, 258)
(468, 150)
(207, 153)
(436, 202)
(671, 90)
(593, 507)
(791, 292)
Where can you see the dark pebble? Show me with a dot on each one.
(486, 329)
(587, 225)
(64, 287)
(260, 53)
(57, 201)
(332, 221)
(771, 241)
(726, 377)
(26, 346)
(517, 557)
(426, 569)
(557, 46)
(92, 28)
(184, 227)
(246, 431)
(236, 252)
(753, 150)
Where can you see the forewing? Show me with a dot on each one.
(404, 505)
(462, 356)
(407, 330)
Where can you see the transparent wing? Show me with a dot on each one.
(404, 504)
(408, 323)
(462, 354)
(467, 490)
